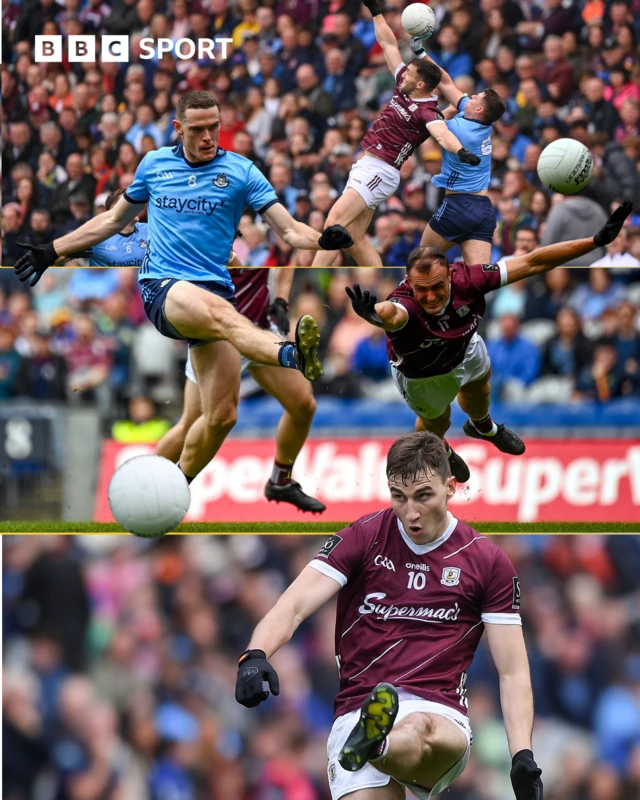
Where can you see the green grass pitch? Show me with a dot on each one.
(317, 528)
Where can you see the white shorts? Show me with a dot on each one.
(342, 782)
(374, 180)
(429, 397)
(245, 363)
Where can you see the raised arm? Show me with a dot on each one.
(449, 90)
(385, 37)
(302, 236)
(544, 259)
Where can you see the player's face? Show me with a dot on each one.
(410, 80)
(432, 290)
(421, 505)
(200, 131)
(475, 104)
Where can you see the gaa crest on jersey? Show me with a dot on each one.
(143, 244)
(221, 181)
(332, 772)
(450, 576)
(330, 545)
(413, 107)
(462, 311)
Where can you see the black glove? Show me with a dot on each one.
(278, 313)
(467, 157)
(373, 7)
(613, 225)
(335, 237)
(525, 777)
(364, 304)
(253, 668)
(418, 48)
(33, 264)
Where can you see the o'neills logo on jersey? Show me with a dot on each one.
(402, 111)
(370, 606)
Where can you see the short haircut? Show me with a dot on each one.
(428, 72)
(527, 229)
(112, 199)
(494, 107)
(423, 258)
(195, 99)
(415, 455)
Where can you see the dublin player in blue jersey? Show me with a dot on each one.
(127, 248)
(196, 193)
(466, 216)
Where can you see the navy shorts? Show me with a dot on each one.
(465, 216)
(154, 293)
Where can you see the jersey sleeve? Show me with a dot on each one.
(341, 554)
(501, 602)
(432, 114)
(138, 191)
(260, 194)
(487, 277)
(462, 102)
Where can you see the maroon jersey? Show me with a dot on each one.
(412, 615)
(252, 293)
(434, 345)
(402, 125)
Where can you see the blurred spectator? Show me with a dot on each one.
(143, 424)
(569, 351)
(10, 362)
(602, 379)
(43, 373)
(88, 362)
(574, 217)
(546, 295)
(601, 292)
(516, 360)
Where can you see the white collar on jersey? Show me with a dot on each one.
(423, 99)
(423, 549)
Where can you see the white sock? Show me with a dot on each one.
(382, 750)
(492, 432)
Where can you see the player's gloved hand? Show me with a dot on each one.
(525, 777)
(364, 304)
(373, 7)
(253, 668)
(278, 313)
(613, 225)
(335, 237)
(418, 48)
(34, 262)
(467, 157)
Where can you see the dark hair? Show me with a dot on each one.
(423, 258)
(417, 454)
(528, 229)
(494, 107)
(428, 72)
(112, 199)
(195, 99)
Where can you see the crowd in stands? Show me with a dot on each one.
(302, 82)
(120, 658)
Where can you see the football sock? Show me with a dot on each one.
(486, 426)
(287, 356)
(188, 477)
(281, 473)
(383, 749)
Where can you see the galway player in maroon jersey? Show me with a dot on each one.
(410, 118)
(416, 590)
(431, 322)
(253, 293)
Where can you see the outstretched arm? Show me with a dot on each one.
(302, 236)
(385, 37)
(544, 259)
(99, 228)
(449, 90)
(386, 315)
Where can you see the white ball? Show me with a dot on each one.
(419, 20)
(148, 495)
(565, 166)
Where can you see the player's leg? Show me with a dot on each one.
(171, 444)
(217, 368)
(475, 398)
(363, 252)
(420, 749)
(476, 251)
(429, 236)
(477, 248)
(296, 398)
(195, 313)
(347, 208)
(440, 425)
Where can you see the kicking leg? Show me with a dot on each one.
(295, 396)
(344, 211)
(217, 368)
(198, 314)
(171, 444)
(440, 425)
(474, 398)
(364, 253)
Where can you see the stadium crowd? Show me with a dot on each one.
(120, 659)
(302, 81)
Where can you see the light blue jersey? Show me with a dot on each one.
(476, 137)
(122, 250)
(194, 211)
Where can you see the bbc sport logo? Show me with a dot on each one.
(116, 48)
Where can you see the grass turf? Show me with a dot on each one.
(317, 528)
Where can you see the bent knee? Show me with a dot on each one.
(423, 727)
(304, 408)
(221, 418)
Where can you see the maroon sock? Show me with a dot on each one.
(281, 473)
(483, 425)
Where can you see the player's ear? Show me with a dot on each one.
(451, 487)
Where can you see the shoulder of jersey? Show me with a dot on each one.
(402, 290)
(372, 522)
(464, 535)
